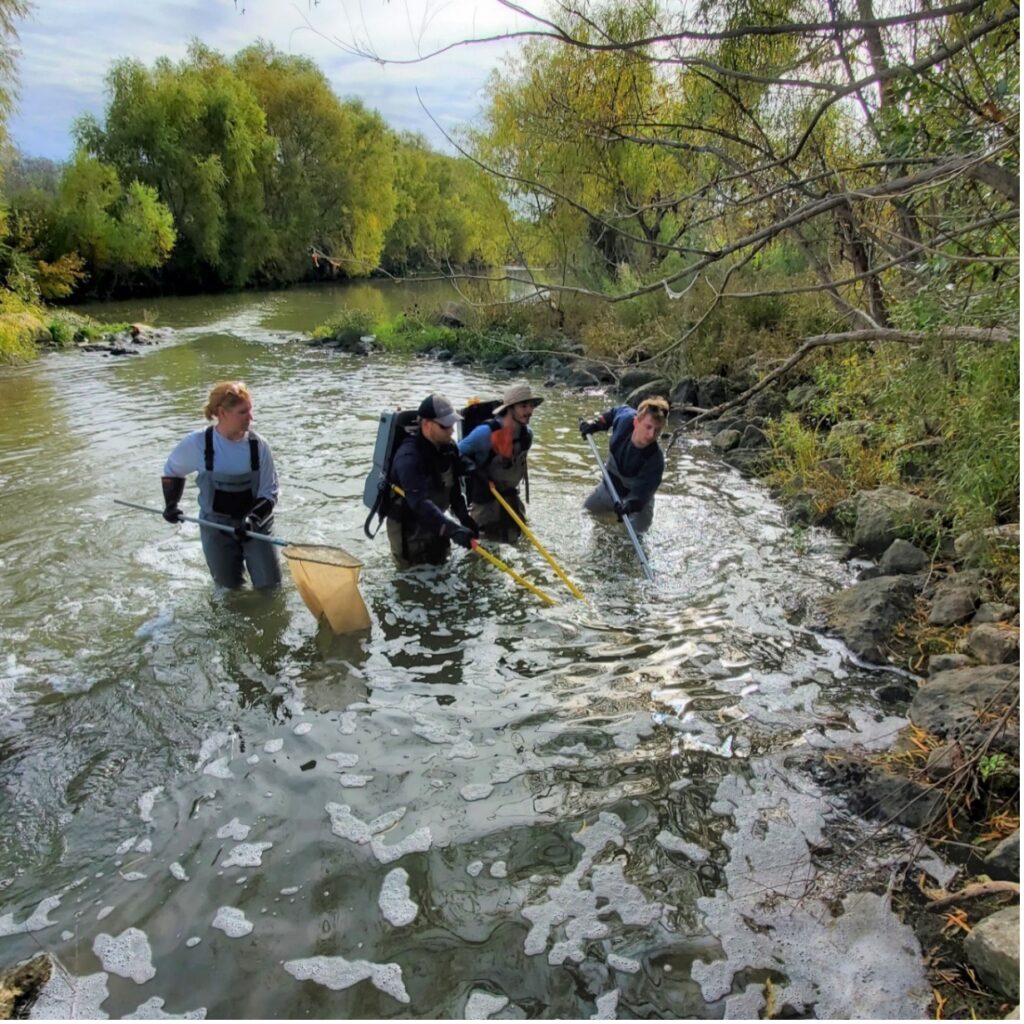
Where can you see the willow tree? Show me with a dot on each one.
(330, 184)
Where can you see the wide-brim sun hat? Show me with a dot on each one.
(516, 393)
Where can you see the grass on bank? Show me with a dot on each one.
(938, 419)
(28, 328)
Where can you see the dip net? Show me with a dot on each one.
(327, 579)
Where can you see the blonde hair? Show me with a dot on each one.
(225, 394)
(656, 407)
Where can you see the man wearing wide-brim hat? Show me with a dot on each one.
(497, 450)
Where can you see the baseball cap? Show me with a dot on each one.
(439, 409)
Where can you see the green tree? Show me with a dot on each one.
(117, 231)
(330, 184)
(195, 132)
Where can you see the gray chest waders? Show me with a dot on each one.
(228, 498)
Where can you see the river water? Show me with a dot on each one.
(484, 806)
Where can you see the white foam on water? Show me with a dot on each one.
(219, 769)
(132, 876)
(193, 941)
(234, 829)
(153, 1009)
(419, 842)
(291, 890)
(65, 936)
(246, 855)
(347, 723)
(273, 746)
(474, 867)
(302, 728)
(66, 997)
(125, 846)
(607, 1006)
(354, 781)
(581, 909)
(232, 922)
(146, 802)
(463, 749)
(145, 846)
(36, 921)
(178, 872)
(336, 973)
(104, 912)
(499, 869)
(346, 825)
(676, 845)
(394, 900)
(343, 760)
(253, 759)
(210, 746)
(622, 963)
(480, 1005)
(127, 955)
(476, 791)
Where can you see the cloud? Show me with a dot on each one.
(68, 47)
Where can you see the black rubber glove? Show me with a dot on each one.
(463, 537)
(627, 507)
(591, 426)
(174, 488)
(259, 515)
(470, 524)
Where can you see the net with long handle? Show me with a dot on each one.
(328, 578)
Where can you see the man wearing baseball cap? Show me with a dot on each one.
(497, 450)
(426, 470)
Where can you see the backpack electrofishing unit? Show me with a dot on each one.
(392, 429)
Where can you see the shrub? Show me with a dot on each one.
(347, 325)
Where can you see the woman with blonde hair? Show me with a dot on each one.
(237, 487)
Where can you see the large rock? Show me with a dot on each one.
(993, 611)
(632, 379)
(887, 513)
(582, 379)
(964, 702)
(726, 440)
(596, 369)
(1003, 861)
(661, 387)
(952, 605)
(685, 393)
(993, 948)
(749, 461)
(994, 643)
(975, 547)
(902, 557)
(768, 403)
(865, 614)
(714, 390)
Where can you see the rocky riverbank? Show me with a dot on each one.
(941, 609)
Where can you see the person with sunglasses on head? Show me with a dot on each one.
(496, 451)
(635, 462)
(424, 480)
(238, 487)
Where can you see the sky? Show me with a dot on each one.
(67, 47)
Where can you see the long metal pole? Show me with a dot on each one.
(625, 519)
(206, 522)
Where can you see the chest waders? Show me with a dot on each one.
(413, 542)
(228, 498)
(506, 473)
(601, 501)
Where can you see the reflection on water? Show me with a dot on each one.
(592, 802)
